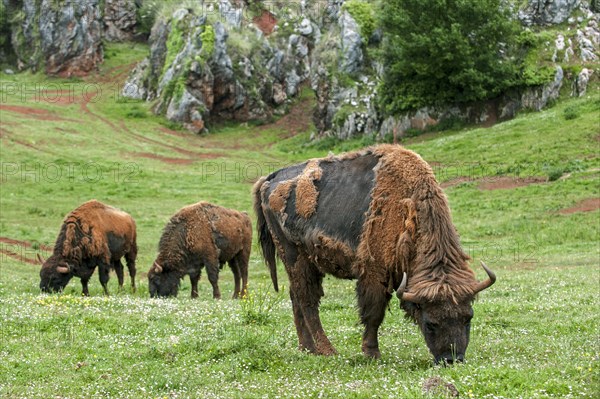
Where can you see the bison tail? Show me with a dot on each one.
(267, 245)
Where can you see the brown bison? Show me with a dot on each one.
(201, 235)
(378, 216)
(92, 235)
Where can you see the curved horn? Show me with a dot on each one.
(487, 283)
(62, 269)
(157, 268)
(40, 259)
(406, 296)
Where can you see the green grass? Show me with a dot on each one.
(535, 333)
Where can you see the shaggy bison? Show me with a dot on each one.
(378, 216)
(201, 235)
(93, 234)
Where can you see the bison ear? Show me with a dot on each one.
(40, 259)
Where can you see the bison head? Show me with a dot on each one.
(55, 274)
(161, 282)
(446, 326)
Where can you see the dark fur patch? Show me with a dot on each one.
(115, 242)
(344, 196)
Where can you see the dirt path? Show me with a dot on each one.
(297, 121)
(495, 182)
(587, 205)
(35, 113)
(507, 183)
(21, 250)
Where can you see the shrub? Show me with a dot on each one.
(208, 40)
(146, 15)
(363, 14)
(445, 52)
(571, 112)
(257, 307)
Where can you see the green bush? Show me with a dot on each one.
(445, 52)
(146, 15)
(257, 307)
(136, 112)
(571, 113)
(208, 40)
(364, 15)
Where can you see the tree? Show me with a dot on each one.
(445, 52)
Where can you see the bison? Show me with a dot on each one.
(201, 235)
(378, 216)
(94, 234)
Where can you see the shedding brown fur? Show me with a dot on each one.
(306, 192)
(399, 225)
(202, 235)
(92, 234)
(94, 219)
(278, 198)
(440, 269)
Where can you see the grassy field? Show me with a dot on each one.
(535, 333)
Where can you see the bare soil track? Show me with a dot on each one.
(507, 183)
(495, 183)
(587, 205)
(21, 250)
(35, 113)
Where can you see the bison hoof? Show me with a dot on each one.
(326, 351)
(329, 352)
(372, 353)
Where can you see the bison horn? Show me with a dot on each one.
(40, 259)
(157, 268)
(405, 296)
(62, 269)
(485, 284)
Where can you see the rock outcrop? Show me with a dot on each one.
(548, 12)
(213, 64)
(119, 20)
(344, 80)
(63, 38)
(201, 70)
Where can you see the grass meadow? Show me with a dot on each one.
(523, 194)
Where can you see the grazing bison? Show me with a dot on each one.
(378, 216)
(93, 234)
(201, 235)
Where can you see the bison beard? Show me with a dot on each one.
(375, 215)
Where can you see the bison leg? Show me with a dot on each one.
(84, 286)
(212, 271)
(118, 266)
(194, 277)
(234, 266)
(306, 291)
(305, 339)
(372, 302)
(103, 271)
(130, 259)
(242, 260)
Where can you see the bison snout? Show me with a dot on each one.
(449, 359)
